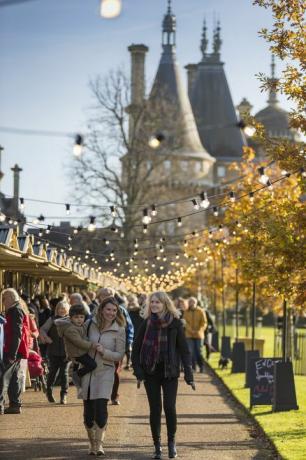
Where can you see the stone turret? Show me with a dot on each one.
(213, 107)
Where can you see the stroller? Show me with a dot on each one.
(37, 370)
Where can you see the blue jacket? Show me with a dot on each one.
(129, 329)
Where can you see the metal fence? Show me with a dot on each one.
(296, 349)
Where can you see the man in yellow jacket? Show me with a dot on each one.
(196, 324)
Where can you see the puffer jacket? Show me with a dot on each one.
(75, 338)
(196, 323)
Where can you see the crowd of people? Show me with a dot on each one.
(97, 332)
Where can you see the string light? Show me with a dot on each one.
(155, 140)
(135, 243)
(263, 179)
(145, 228)
(48, 229)
(269, 185)
(204, 200)
(113, 211)
(215, 211)
(92, 224)
(232, 197)
(153, 210)
(195, 204)
(179, 221)
(146, 219)
(78, 145)
(251, 196)
(67, 208)
(21, 201)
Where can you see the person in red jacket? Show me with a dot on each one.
(16, 347)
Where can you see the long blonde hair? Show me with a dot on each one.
(165, 300)
(120, 320)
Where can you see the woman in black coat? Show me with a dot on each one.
(158, 349)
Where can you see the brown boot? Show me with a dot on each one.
(100, 434)
(91, 433)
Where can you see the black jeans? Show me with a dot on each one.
(153, 385)
(10, 383)
(95, 410)
(58, 365)
(89, 364)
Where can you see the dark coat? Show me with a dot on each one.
(137, 320)
(57, 347)
(16, 333)
(177, 351)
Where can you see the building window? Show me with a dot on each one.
(184, 165)
(167, 165)
(221, 171)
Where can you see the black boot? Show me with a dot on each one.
(63, 398)
(50, 396)
(172, 449)
(157, 454)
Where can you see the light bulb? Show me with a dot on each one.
(232, 197)
(179, 221)
(146, 219)
(204, 201)
(2, 217)
(263, 179)
(78, 145)
(113, 211)
(21, 200)
(153, 210)
(195, 204)
(92, 225)
(249, 131)
(216, 213)
(251, 196)
(145, 228)
(110, 9)
(67, 209)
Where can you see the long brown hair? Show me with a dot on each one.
(120, 320)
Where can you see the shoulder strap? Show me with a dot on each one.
(89, 324)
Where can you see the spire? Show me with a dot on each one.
(217, 39)
(204, 41)
(169, 29)
(273, 82)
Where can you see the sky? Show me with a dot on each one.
(50, 49)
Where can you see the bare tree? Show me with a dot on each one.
(118, 167)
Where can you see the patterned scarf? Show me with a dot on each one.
(155, 343)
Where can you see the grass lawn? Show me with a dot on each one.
(286, 429)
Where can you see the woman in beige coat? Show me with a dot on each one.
(108, 329)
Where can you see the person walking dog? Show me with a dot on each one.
(158, 350)
(107, 328)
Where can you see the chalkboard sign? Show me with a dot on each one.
(261, 380)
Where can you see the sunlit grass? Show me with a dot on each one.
(286, 429)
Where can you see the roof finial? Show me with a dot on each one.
(217, 39)
(204, 41)
(169, 28)
(273, 67)
(273, 80)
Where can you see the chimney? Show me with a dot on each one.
(191, 75)
(16, 170)
(138, 53)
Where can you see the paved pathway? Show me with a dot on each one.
(209, 427)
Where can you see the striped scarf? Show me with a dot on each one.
(154, 347)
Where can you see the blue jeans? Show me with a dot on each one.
(195, 348)
(9, 383)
